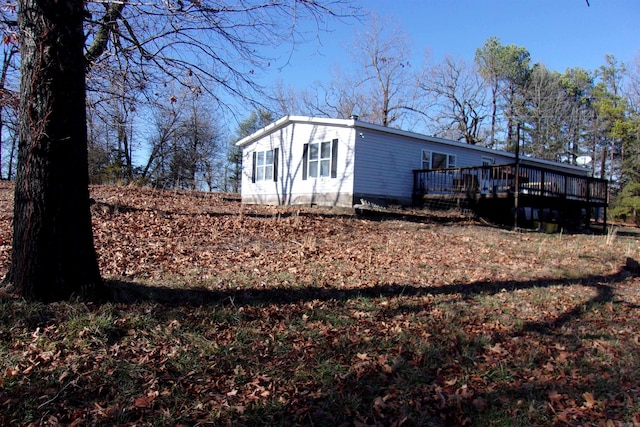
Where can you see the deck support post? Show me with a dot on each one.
(517, 180)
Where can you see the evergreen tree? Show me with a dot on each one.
(506, 70)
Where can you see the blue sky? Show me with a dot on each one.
(557, 33)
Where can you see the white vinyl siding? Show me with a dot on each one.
(329, 181)
(384, 163)
(364, 161)
(488, 161)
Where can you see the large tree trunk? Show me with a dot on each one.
(53, 252)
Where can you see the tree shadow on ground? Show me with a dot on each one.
(419, 387)
(129, 292)
(433, 399)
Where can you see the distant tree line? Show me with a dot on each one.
(163, 82)
(499, 99)
(145, 128)
(135, 83)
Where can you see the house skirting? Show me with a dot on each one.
(326, 199)
(381, 200)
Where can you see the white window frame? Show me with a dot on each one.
(319, 155)
(427, 159)
(487, 161)
(264, 167)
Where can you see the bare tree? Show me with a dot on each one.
(10, 125)
(341, 97)
(458, 100)
(546, 114)
(99, 152)
(286, 100)
(207, 45)
(389, 87)
(52, 253)
(186, 147)
(163, 126)
(196, 148)
(255, 121)
(381, 88)
(215, 47)
(8, 91)
(114, 100)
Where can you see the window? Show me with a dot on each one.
(320, 159)
(487, 161)
(426, 159)
(265, 165)
(433, 160)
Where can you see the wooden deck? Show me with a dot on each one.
(541, 194)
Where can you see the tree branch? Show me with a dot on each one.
(107, 25)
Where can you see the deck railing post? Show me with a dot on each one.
(517, 179)
(606, 203)
(588, 195)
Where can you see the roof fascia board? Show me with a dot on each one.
(286, 120)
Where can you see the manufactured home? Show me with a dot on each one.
(347, 162)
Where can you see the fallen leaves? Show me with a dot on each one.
(276, 315)
(146, 400)
(590, 401)
(568, 410)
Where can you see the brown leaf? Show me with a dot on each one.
(451, 382)
(144, 401)
(498, 350)
(555, 396)
(590, 401)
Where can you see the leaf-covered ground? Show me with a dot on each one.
(226, 314)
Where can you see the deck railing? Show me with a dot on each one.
(499, 180)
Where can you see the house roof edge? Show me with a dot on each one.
(286, 120)
(355, 123)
